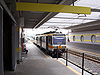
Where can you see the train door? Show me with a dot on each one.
(46, 42)
(49, 42)
(40, 41)
(36, 40)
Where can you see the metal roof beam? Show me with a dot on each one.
(63, 22)
(22, 6)
(75, 18)
(89, 24)
(95, 10)
(7, 10)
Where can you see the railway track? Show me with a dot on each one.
(90, 62)
(86, 56)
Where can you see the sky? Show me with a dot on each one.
(32, 32)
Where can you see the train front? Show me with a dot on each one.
(59, 44)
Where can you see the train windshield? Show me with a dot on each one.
(59, 40)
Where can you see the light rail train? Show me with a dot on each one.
(52, 43)
(87, 41)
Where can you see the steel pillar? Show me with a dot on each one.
(14, 59)
(1, 42)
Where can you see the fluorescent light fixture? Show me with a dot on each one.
(66, 15)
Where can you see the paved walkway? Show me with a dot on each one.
(36, 63)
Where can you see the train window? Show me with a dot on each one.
(36, 38)
(43, 39)
(40, 38)
(82, 38)
(93, 38)
(73, 38)
(50, 40)
(68, 40)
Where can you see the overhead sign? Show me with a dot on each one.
(22, 6)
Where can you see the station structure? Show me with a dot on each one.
(74, 15)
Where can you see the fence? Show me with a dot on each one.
(88, 63)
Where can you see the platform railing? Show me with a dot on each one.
(87, 63)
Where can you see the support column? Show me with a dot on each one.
(1, 41)
(19, 36)
(18, 44)
(7, 41)
(13, 47)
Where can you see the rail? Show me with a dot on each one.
(88, 63)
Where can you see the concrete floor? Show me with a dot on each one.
(36, 63)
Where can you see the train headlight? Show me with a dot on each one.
(59, 47)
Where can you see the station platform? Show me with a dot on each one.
(37, 63)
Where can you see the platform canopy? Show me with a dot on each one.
(74, 21)
(57, 13)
